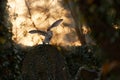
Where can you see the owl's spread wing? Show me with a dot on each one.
(55, 24)
(38, 31)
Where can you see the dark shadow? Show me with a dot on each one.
(7, 60)
(102, 17)
(55, 62)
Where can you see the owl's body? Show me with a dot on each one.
(48, 37)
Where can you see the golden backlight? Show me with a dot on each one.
(29, 15)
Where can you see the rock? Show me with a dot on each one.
(44, 62)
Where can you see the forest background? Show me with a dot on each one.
(84, 46)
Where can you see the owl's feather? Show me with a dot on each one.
(38, 31)
(55, 24)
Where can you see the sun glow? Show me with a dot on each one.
(40, 15)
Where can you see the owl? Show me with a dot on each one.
(48, 34)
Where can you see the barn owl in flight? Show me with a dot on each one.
(48, 34)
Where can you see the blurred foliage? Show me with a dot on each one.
(105, 10)
(82, 56)
(102, 16)
(9, 59)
